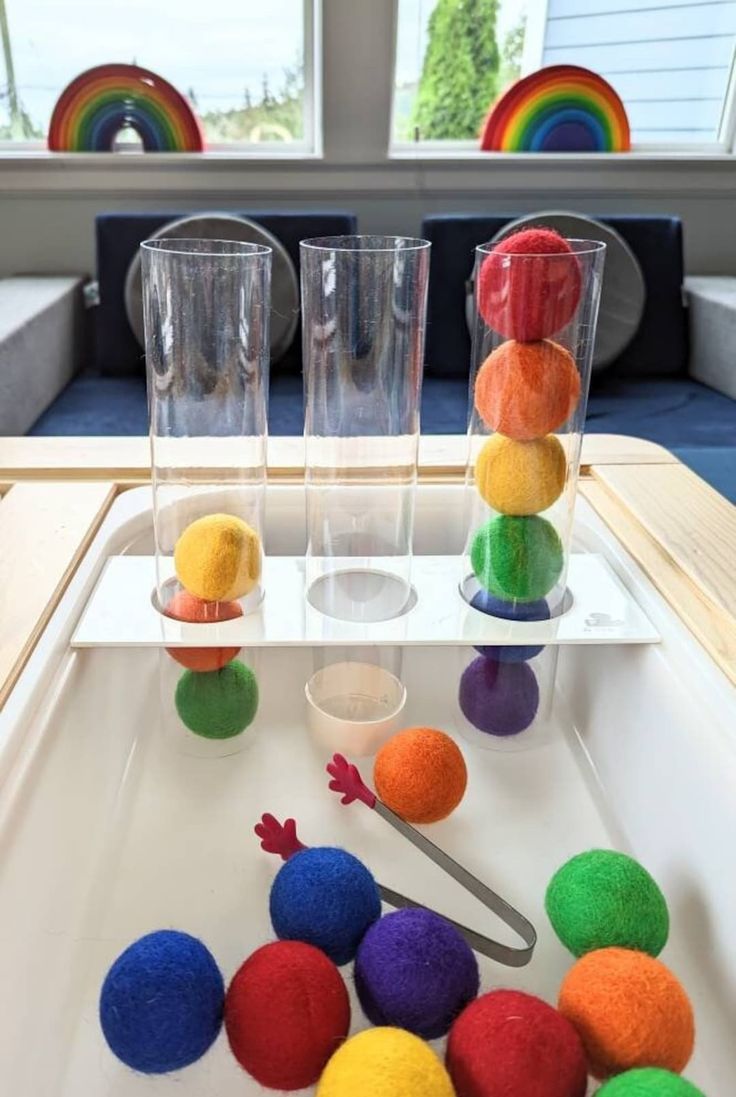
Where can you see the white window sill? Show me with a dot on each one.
(446, 175)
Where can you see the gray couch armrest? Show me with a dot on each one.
(41, 344)
(712, 310)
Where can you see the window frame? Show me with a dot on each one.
(308, 147)
(724, 144)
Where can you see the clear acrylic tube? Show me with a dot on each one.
(363, 317)
(206, 314)
(534, 331)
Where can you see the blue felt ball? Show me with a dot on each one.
(162, 1002)
(510, 611)
(415, 971)
(326, 897)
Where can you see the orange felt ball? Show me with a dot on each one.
(629, 1011)
(420, 774)
(185, 607)
(527, 390)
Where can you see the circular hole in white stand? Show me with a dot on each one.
(354, 707)
(559, 601)
(362, 595)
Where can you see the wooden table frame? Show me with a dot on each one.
(57, 491)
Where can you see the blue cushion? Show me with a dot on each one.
(716, 465)
(119, 235)
(659, 348)
(672, 411)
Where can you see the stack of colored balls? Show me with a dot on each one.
(630, 1011)
(528, 289)
(217, 560)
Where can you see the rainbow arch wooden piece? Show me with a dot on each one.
(101, 101)
(562, 108)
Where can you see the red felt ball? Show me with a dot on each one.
(286, 1012)
(529, 285)
(186, 607)
(510, 1044)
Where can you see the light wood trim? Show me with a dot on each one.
(45, 529)
(127, 460)
(683, 535)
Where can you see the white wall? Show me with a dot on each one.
(47, 203)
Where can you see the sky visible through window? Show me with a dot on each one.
(246, 81)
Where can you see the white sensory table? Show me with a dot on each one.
(107, 833)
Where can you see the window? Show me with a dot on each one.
(670, 61)
(249, 85)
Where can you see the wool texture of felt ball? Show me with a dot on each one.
(161, 1002)
(185, 607)
(521, 477)
(286, 1012)
(510, 611)
(420, 774)
(629, 1010)
(649, 1082)
(527, 390)
(326, 897)
(415, 971)
(602, 898)
(511, 1044)
(218, 704)
(529, 285)
(218, 558)
(500, 699)
(385, 1062)
(517, 559)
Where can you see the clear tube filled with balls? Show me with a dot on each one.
(536, 305)
(206, 313)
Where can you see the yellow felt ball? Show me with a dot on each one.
(385, 1062)
(218, 558)
(521, 478)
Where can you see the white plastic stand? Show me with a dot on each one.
(121, 612)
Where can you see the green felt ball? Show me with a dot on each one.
(649, 1082)
(218, 704)
(517, 559)
(603, 898)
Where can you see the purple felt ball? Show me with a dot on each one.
(510, 611)
(499, 698)
(415, 971)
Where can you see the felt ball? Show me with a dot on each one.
(286, 1011)
(217, 704)
(527, 390)
(420, 774)
(629, 1010)
(326, 897)
(498, 698)
(385, 1062)
(649, 1082)
(416, 971)
(511, 1044)
(602, 898)
(185, 607)
(218, 558)
(521, 477)
(161, 1002)
(529, 285)
(518, 559)
(510, 611)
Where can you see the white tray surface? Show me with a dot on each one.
(107, 834)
